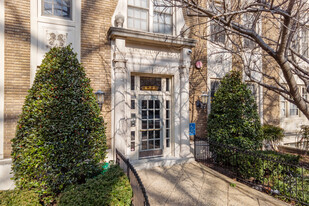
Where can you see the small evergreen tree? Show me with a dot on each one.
(233, 119)
(60, 136)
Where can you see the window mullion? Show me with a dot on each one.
(151, 14)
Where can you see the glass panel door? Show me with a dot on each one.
(150, 126)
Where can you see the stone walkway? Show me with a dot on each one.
(195, 184)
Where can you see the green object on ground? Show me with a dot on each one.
(110, 188)
(105, 167)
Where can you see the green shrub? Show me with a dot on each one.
(272, 134)
(18, 198)
(60, 136)
(110, 188)
(233, 119)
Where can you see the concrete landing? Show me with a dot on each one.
(5, 175)
(195, 184)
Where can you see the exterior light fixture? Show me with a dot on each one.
(203, 102)
(100, 98)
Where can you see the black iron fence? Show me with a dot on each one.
(140, 197)
(270, 172)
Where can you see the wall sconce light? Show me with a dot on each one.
(203, 102)
(100, 98)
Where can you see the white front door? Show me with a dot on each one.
(151, 126)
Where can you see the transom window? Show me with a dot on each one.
(147, 15)
(58, 8)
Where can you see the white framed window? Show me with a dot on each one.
(289, 109)
(253, 89)
(163, 18)
(293, 110)
(57, 8)
(138, 14)
(305, 41)
(248, 21)
(300, 42)
(214, 86)
(283, 112)
(150, 15)
(304, 92)
(217, 33)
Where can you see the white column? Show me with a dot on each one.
(184, 103)
(1, 79)
(120, 83)
(34, 39)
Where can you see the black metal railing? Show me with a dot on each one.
(278, 175)
(140, 197)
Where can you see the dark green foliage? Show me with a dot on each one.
(272, 134)
(270, 170)
(60, 136)
(233, 119)
(18, 198)
(110, 188)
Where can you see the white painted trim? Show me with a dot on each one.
(34, 39)
(36, 18)
(2, 9)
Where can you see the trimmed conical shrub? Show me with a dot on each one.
(60, 136)
(234, 119)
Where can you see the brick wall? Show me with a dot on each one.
(17, 65)
(198, 77)
(271, 103)
(96, 50)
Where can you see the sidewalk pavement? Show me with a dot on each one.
(195, 184)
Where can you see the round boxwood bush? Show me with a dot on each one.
(60, 137)
(233, 119)
(110, 188)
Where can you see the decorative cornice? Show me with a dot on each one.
(148, 37)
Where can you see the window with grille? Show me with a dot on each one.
(150, 15)
(253, 89)
(293, 109)
(300, 42)
(248, 21)
(214, 85)
(305, 41)
(138, 11)
(162, 20)
(217, 33)
(58, 8)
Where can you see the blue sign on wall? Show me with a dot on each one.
(192, 129)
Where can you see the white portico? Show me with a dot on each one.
(150, 94)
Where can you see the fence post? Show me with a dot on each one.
(194, 148)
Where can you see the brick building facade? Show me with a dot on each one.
(122, 45)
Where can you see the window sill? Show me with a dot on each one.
(149, 37)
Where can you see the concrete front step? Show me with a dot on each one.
(5, 175)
